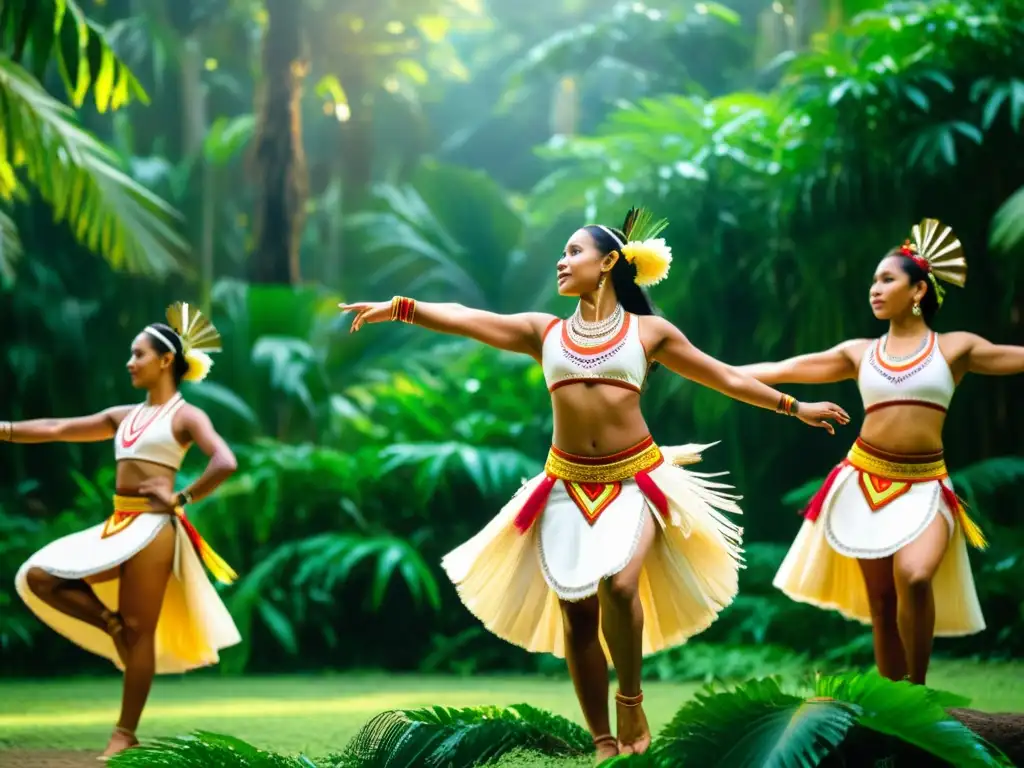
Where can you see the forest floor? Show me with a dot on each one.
(65, 724)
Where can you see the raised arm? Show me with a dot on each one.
(523, 332)
(990, 359)
(673, 350)
(83, 429)
(836, 364)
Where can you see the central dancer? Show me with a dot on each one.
(615, 549)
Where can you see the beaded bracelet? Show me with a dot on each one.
(787, 405)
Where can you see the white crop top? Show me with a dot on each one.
(925, 379)
(621, 361)
(146, 434)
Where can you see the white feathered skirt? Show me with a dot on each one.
(193, 625)
(580, 522)
(872, 505)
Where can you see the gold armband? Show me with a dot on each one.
(403, 310)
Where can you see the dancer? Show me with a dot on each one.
(132, 588)
(884, 540)
(615, 548)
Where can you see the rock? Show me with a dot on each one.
(1002, 730)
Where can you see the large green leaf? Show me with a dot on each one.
(914, 714)
(756, 725)
(202, 749)
(80, 178)
(58, 31)
(441, 736)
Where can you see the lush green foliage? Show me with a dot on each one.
(449, 153)
(835, 720)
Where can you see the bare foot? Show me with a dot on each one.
(606, 747)
(634, 732)
(115, 628)
(120, 740)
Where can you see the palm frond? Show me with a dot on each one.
(108, 212)
(756, 725)
(58, 31)
(913, 714)
(202, 749)
(441, 736)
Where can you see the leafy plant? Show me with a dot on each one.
(202, 749)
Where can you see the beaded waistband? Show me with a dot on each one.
(613, 468)
(894, 466)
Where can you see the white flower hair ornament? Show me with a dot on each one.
(198, 337)
(649, 253)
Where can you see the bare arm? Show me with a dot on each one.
(83, 429)
(836, 364)
(990, 359)
(222, 463)
(521, 332)
(677, 353)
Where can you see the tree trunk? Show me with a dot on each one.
(1003, 730)
(279, 161)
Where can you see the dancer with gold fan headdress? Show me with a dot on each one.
(885, 539)
(615, 547)
(133, 588)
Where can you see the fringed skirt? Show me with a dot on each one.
(580, 522)
(193, 623)
(872, 505)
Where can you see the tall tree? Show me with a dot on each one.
(279, 161)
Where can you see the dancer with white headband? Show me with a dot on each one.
(133, 589)
(615, 550)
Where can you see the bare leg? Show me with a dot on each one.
(143, 582)
(622, 619)
(75, 598)
(889, 654)
(588, 668)
(915, 566)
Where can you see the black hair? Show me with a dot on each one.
(632, 297)
(913, 270)
(180, 365)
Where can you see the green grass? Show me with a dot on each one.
(317, 715)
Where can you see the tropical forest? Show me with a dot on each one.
(266, 161)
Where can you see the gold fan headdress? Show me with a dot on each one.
(938, 251)
(198, 337)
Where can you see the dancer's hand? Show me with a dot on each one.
(820, 414)
(160, 492)
(373, 312)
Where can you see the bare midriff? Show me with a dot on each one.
(130, 475)
(904, 428)
(595, 419)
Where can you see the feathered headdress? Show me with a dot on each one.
(643, 248)
(198, 338)
(938, 252)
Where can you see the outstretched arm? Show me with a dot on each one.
(677, 353)
(990, 359)
(83, 429)
(521, 332)
(836, 364)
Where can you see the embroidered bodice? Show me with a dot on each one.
(146, 434)
(619, 361)
(923, 379)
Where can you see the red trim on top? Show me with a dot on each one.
(595, 380)
(547, 330)
(567, 342)
(911, 363)
(889, 403)
(129, 425)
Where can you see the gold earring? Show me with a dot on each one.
(917, 309)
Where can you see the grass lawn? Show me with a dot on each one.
(318, 715)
